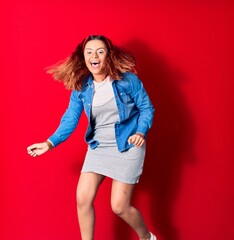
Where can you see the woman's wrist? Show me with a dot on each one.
(140, 134)
(49, 144)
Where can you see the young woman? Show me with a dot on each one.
(119, 111)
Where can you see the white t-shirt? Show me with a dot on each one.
(103, 91)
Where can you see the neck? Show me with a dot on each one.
(99, 78)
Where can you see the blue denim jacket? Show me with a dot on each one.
(134, 107)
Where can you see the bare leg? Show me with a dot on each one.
(86, 192)
(121, 195)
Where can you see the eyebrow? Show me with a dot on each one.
(97, 48)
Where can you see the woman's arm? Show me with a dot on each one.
(145, 107)
(67, 125)
(143, 103)
(69, 120)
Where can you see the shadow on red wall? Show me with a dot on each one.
(169, 142)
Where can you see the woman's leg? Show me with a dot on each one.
(121, 195)
(86, 192)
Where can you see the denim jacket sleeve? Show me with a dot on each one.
(69, 119)
(143, 103)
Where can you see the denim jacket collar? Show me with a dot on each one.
(88, 80)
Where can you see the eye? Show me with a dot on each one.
(101, 52)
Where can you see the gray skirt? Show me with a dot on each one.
(124, 167)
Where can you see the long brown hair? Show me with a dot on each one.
(72, 71)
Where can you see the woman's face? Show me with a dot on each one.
(95, 53)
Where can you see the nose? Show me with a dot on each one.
(94, 55)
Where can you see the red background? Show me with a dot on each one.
(185, 56)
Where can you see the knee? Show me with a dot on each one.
(118, 208)
(83, 200)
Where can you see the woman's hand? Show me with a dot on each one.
(38, 149)
(136, 139)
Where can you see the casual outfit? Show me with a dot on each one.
(116, 109)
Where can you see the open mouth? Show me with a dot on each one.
(95, 64)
